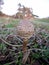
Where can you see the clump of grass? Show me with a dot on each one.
(13, 23)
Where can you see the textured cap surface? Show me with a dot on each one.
(25, 29)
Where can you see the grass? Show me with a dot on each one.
(45, 19)
(14, 22)
(42, 24)
(10, 22)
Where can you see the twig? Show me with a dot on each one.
(10, 44)
(25, 57)
(31, 50)
(36, 49)
(11, 62)
(21, 45)
(13, 45)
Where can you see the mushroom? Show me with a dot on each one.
(25, 29)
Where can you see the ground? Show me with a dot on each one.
(11, 45)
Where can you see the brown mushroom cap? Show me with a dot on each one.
(25, 29)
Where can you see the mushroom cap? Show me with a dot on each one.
(25, 29)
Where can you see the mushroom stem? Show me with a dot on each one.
(25, 45)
